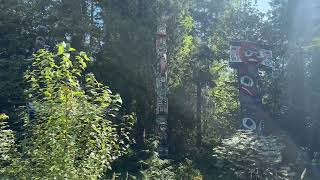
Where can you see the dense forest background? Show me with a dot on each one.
(119, 38)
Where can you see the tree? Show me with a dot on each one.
(223, 106)
(128, 57)
(73, 134)
(15, 35)
(314, 98)
(16, 43)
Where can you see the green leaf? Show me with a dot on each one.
(84, 55)
(3, 116)
(71, 49)
(61, 47)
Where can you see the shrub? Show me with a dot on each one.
(252, 156)
(7, 147)
(71, 134)
(154, 168)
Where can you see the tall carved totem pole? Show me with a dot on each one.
(162, 87)
(247, 58)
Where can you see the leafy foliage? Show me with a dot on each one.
(72, 134)
(187, 170)
(165, 169)
(252, 156)
(12, 87)
(220, 120)
(7, 146)
(155, 168)
(158, 169)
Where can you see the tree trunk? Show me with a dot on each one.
(198, 114)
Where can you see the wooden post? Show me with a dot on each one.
(162, 87)
(247, 58)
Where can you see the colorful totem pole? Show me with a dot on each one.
(162, 88)
(247, 58)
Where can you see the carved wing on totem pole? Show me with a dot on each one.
(247, 58)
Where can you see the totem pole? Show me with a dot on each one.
(162, 87)
(247, 58)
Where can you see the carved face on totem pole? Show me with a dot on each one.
(162, 129)
(250, 53)
(163, 64)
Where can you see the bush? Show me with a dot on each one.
(166, 169)
(154, 168)
(7, 147)
(251, 156)
(70, 134)
(187, 170)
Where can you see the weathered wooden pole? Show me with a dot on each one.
(162, 86)
(247, 58)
